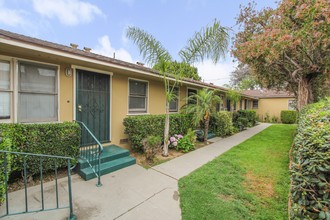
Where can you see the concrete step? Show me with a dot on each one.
(107, 167)
(112, 152)
(113, 158)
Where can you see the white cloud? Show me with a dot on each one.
(11, 17)
(105, 48)
(218, 74)
(69, 12)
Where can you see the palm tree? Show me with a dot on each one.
(210, 42)
(205, 103)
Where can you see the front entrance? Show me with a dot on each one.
(93, 103)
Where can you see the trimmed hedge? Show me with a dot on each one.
(61, 139)
(222, 124)
(244, 118)
(141, 126)
(288, 116)
(310, 168)
(4, 145)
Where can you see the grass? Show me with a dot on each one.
(250, 181)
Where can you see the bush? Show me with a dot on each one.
(151, 145)
(288, 116)
(141, 126)
(222, 124)
(4, 145)
(187, 142)
(250, 115)
(310, 168)
(61, 139)
(244, 118)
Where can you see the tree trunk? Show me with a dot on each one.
(305, 92)
(206, 128)
(166, 130)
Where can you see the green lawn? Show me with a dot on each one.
(251, 181)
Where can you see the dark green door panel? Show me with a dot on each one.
(93, 103)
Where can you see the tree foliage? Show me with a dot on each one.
(183, 69)
(210, 42)
(242, 79)
(288, 46)
(204, 107)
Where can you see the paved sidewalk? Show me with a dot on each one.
(130, 193)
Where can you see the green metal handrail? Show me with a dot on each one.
(86, 152)
(41, 158)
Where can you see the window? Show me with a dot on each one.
(174, 104)
(292, 105)
(37, 93)
(228, 105)
(192, 92)
(234, 106)
(219, 106)
(255, 104)
(240, 104)
(138, 98)
(5, 90)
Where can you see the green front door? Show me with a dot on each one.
(93, 103)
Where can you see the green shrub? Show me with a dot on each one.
(141, 126)
(310, 169)
(187, 143)
(244, 118)
(250, 115)
(61, 139)
(222, 124)
(151, 145)
(4, 145)
(288, 116)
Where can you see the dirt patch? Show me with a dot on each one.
(17, 182)
(226, 198)
(172, 153)
(261, 186)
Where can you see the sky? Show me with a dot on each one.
(101, 25)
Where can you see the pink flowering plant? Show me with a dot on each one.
(173, 141)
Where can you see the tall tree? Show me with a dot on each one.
(205, 104)
(288, 46)
(241, 78)
(210, 42)
(183, 69)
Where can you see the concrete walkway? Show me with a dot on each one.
(130, 193)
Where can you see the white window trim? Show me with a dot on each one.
(16, 61)
(147, 105)
(11, 89)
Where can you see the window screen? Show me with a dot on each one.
(137, 96)
(37, 101)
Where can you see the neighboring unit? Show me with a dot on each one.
(270, 103)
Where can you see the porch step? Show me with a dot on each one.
(113, 158)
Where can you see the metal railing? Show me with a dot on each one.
(90, 150)
(41, 158)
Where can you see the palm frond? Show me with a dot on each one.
(210, 42)
(151, 49)
(206, 101)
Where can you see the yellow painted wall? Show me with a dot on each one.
(272, 106)
(66, 96)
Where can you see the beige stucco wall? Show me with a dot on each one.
(272, 107)
(66, 96)
(118, 90)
